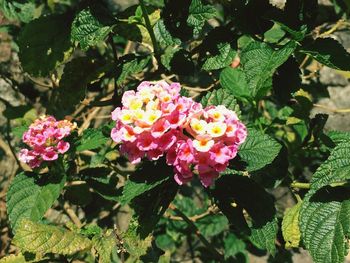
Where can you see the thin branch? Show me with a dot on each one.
(331, 109)
(72, 215)
(211, 210)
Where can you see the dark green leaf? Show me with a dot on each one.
(42, 49)
(129, 65)
(258, 150)
(329, 52)
(233, 245)
(163, 36)
(90, 27)
(198, 15)
(233, 80)
(17, 10)
(259, 63)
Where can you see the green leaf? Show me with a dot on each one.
(144, 180)
(105, 246)
(15, 10)
(290, 226)
(91, 139)
(163, 36)
(325, 225)
(233, 80)
(13, 259)
(328, 52)
(264, 236)
(88, 28)
(198, 15)
(221, 97)
(30, 197)
(335, 169)
(224, 57)
(212, 225)
(129, 65)
(274, 34)
(258, 150)
(339, 136)
(243, 192)
(233, 245)
(259, 62)
(42, 239)
(134, 244)
(42, 49)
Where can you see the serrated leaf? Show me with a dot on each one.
(221, 60)
(91, 139)
(13, 259)
(259, 63)
(198, 15)
(105, 246)
(30, 197)
(88, 29)
(42, 239)
(212, 225)
(339, 136)
(42, 49)
(335, 169)
(163, 36)
(258, 150)
(329, 52)
(325, 225)
(15, 10)
(129, 65)
(233, 79)
(221, 97)
(264, 236)
(290, 226)
(134, 244)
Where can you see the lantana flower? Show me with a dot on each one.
(45, 138)
(155, 121)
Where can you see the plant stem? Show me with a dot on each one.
(150, 30)
(194, 228)
(300, 185)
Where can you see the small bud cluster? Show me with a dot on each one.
(45, 139)
(155, 121)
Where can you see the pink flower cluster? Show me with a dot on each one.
(155, 121)
(45, 139)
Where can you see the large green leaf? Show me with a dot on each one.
(42, 239)
(264, 236)
(260, 61)
(30, 197)
(88, 28)
(233, 79)
(13, 259)
(44, 43)
(221, 97)
(335, 169)
(325, 224)
(258, 150)
(328, 52)
(19, 10)
(339, 136)
(198, 14)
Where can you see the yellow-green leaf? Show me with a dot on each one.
(13, 259)
(42, 239)
(290, 226)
